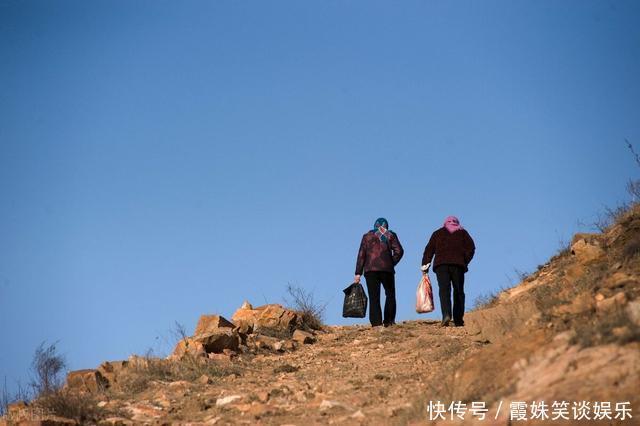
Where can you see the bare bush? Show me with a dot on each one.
(304, 302)
(48, 368)
(81, 407)
(484, 301)
(610, 216)
(631, 248)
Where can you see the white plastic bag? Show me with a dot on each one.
(424, 296)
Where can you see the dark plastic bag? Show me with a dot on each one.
(355, 302)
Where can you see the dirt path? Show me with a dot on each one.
(351, 375)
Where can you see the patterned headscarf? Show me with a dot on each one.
(452, 224)
(381, 228)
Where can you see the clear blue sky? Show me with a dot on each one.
(160, 160)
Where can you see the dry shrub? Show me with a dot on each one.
(631, 249)
(484, 301)
(48, 367)
(81, 407)
(304, 302)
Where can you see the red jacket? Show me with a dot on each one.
(449, 249)
(374, 255)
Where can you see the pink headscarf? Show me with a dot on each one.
(452, 224)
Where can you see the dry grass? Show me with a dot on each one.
(149, 369)
(614, 327)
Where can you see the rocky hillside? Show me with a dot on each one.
(564, 343)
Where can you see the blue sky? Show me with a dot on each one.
(160, 160)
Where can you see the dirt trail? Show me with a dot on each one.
(351, 375)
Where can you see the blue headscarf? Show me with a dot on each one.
(381, 228)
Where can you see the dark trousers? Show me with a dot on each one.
(388, 281)
(451, 276)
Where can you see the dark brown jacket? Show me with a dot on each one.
(374, 255)
(449, 249)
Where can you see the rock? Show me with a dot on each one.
(211, 324)
(491, 324)
(143, 412)
(221, 402)
(212, 420)
(188, 347)
(327, 404)
(115, 421)
(273, 316)
(218, 341)
(633, 312)
(44, 421)
(586, 250)
(581, 303)
(612, 302)
(244, 328)
(303, 337)
(230, 353)
(15, 409)
(264, 342)
(205, 380)
(358, 415)
(110, 370)
(620, 279)
(262, 396)
(91, 381)
(279, 346)
(222, 357)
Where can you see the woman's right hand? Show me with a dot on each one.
(356, 279)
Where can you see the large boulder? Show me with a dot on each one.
(91, 381)
(272, 316)
(219, 341)
(211, 324)
(586, 247)
(188, 347)
(110, 370)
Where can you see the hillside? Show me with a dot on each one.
(570, 332)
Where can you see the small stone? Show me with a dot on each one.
(303, 337)
(220, 402)
(358, 415)
(599, 297)
(205, 380)
(263, 396)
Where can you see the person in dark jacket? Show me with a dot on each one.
(380, 251)
(453, 249)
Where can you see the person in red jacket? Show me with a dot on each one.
(380, 251)
(453, 249)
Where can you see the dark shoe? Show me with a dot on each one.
(445, 322)
(389, 324)
(459, 324)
